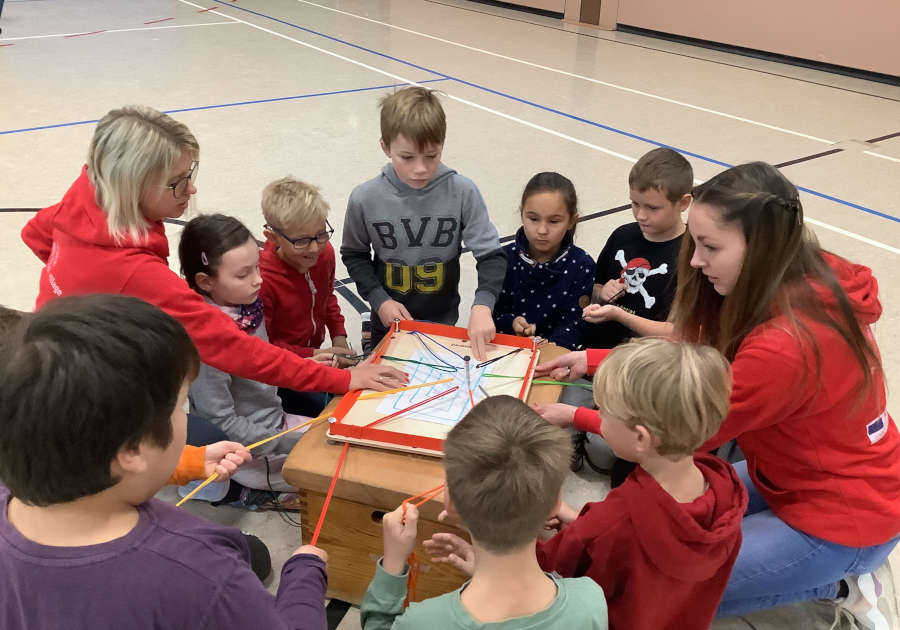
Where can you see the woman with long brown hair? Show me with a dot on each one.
(808, 407)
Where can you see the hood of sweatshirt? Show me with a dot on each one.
(79, 217)
(858, 283)
(442, 173)
(681, 547)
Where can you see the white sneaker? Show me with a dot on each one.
(871, 599)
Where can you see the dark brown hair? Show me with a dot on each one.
(205, 240)
(9, 318)
(782, 264)
(79, 380)
(549, 181)
(505, 466)
(416, 113)
(664, 170)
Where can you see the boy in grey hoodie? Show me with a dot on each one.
(415, 216)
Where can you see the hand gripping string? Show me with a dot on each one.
(412, 561)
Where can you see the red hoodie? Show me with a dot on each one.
(662, 564)
(73, 240)
(826, 461)
(298, 306)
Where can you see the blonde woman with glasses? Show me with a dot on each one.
(107, 236)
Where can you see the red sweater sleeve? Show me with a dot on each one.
(595, 357)
(573, 551)
(222, 345)
(588, 420)
(38, 232)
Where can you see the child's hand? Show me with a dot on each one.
(597, 313)
(560, 414)
(568, 367)
(315, 551)
(331, 356)
(452, 550)
(391, 310)
(522, 328)
(566, 513)
(611, 291)
(223, 458)
(340, 342)
(399, 538)
(377, 377)
(481, 330)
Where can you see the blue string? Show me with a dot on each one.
(419, 336)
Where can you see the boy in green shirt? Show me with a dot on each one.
(505, 466)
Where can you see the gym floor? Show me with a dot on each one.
(278, 87)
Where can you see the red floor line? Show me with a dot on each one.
(162, 20)
(81, 34)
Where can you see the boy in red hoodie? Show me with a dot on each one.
(297, 267)
(661, 545)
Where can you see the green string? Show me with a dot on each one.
(581, 385)
(542, 382)
(441, 368)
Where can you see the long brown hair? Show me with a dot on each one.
(782, 264)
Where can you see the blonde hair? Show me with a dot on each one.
(505, 466)
(289, 203)
(678, 391)
(416, 113)
(132, 148)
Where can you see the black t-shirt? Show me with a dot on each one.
(649, 270)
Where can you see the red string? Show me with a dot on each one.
(337, 473)
(411, 407)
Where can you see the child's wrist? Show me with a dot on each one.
(393, 564)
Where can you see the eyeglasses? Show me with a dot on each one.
(180, 188)
(304, 241)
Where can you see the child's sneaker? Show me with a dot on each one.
(266, 500)
(871, 599)
(366, 333)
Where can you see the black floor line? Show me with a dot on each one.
(667, 52)
(807, 158)
(887, 137)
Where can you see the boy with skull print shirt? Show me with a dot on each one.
(635, 280)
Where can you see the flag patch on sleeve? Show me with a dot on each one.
(877, 428)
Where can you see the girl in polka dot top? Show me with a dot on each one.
(548, 279)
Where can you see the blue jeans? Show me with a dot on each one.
(778, 564)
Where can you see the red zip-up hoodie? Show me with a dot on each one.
(80, 256)
(662, 564)
(299, 306)
(826, 461)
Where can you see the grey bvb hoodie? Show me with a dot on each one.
(417, 238)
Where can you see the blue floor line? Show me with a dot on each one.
(235, 104)
(628, 134)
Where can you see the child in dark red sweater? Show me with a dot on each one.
(661, 545)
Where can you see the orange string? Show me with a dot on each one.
(334, 479)
(413, 562)
(411, 407)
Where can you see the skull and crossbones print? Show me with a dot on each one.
(635, 272)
